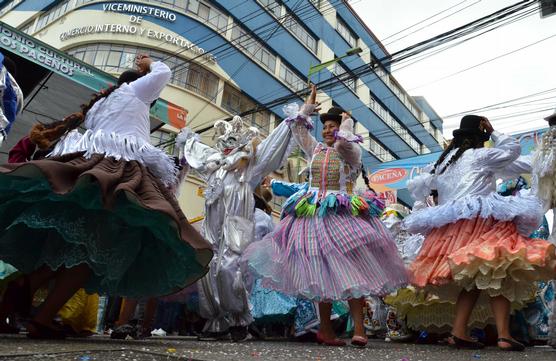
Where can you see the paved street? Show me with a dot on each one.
(102, 348)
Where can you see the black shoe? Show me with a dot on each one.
(39, 331)
(123, 331)
(460, 343)
(212, 336)
(256, 332)
(515, 346)
(238, 333)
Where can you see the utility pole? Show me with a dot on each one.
(547, 7)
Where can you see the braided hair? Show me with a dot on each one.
(46, 135)
(366, 179)
(461, 143)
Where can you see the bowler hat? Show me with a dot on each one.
(333, 113)
(551, 117)
(469, 125)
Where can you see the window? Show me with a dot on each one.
(9, 6)
(209, 14)
(389, 120)
(235, 102)
(256, 49)
(163, 139)
(291, 24)
(52, 15)
(346, 33)
(28, 27)
(82, 2)
(379, 151)
(117, 58)
(290, 78)
(316, 3)
(273, 6)
(300, 33)
(339, 70)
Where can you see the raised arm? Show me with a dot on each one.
(285, 189)
(196, 155)
(506, 149)
(347, 142)
(301, 124)
(271, 153)
(148, 87)
(274, 150)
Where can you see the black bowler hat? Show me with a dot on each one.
(469, 125)
(551, 117)
(334, 114)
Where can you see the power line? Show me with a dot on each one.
(239, 68)
(484, 22)
(483, 62)
(423, 20)
(230, 48)
(435, 22)
(499, 103)
(413, 50)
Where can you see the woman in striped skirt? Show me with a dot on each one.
(330, 244)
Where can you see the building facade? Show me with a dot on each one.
(229, 56)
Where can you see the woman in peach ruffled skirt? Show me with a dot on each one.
(475, 252)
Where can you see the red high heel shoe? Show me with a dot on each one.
(329, 342)
(359, 341)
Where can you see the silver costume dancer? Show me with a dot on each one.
(231, 172)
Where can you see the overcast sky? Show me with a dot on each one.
(522, 73)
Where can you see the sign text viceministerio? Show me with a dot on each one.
(135, 28)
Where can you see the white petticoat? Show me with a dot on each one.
(524, 209)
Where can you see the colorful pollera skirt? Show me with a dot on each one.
(478, 253)
(334, 249)
(112, 215)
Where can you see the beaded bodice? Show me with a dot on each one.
(329, 172)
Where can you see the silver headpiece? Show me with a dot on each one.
(232, 135)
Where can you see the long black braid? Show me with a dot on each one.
(461, 143)
(366, 178)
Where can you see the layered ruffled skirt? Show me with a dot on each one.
(478, 253)
(336, 253)
(113, 215)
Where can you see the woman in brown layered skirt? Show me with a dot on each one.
(98, 212)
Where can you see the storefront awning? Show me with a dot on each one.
(65, 66)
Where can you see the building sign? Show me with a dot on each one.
(42, 54)
(135, 28)
(394, 175)
(140, 10)
(390, 175)
(35, 51)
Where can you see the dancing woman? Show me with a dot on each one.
(329, 246)
(97, 213)
(476, 249)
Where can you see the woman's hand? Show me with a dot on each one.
(143, 63)
(311, 105)
(313, 95)
(485, 125)
(266, 182)
(345, 115)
